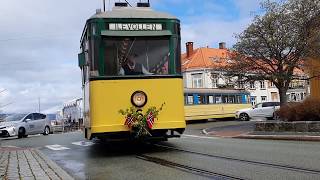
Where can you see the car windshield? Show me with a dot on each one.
(15, 117)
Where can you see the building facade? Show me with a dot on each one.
(204, 68)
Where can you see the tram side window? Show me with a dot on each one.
(210, 99)
(225, 98)
(231, 99)
(238, 99)
(94, 59)
(201, 99)
(177, 46)
(190, 99)
(218, 99)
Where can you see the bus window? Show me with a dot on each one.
(218, 99)
(190, 99)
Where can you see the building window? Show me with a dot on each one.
(215, 82)
(252, 85)
(272, 84)
(253, 100)
(240, 85)
(263, 98)
(197, 81)
(262, 85)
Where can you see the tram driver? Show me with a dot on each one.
(131, 67)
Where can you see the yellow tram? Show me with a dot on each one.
(131, 74)
(201, 104)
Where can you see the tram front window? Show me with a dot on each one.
(136, 56)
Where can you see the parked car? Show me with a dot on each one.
(265, 109)
(22, 125)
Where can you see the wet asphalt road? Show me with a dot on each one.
(202, 155)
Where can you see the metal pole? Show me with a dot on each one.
(39, 103)
(104, 5)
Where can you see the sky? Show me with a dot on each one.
(40, 40)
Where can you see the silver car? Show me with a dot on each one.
(22, 125)
(265, 110)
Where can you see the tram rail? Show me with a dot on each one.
(188, 169)
(264, 164)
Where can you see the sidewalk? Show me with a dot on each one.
(246, 131)
(298, 136)
(18, 163)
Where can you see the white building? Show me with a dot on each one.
(72, 111)
(204, 68)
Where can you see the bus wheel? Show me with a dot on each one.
(244, 117)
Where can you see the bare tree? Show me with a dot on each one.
(275, 45)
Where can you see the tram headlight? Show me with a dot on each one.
(139, 99)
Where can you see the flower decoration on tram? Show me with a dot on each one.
(140, 123)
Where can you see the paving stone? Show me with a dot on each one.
(42, 178)
(29, 164)
(28, 178)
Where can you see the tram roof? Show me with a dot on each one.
(133, 12)
(214, 91)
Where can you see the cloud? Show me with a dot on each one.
(210, 33)
(39, 43)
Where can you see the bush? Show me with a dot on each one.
(308, 110)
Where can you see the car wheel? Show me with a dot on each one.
(244, 117)
(21, 133)
(46, 131)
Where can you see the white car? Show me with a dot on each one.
(22, 125)
(265, 110)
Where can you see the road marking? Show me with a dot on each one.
(83, 143)
(201, 137)
(56, 147)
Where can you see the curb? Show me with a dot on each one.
(280, 137)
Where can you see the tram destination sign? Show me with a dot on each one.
(135, 27)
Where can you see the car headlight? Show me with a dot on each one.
(139, 99)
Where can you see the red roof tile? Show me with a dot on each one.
(205, 58)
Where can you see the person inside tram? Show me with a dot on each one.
(131, 67)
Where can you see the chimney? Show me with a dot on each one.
(189, 46)
(222, 45)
